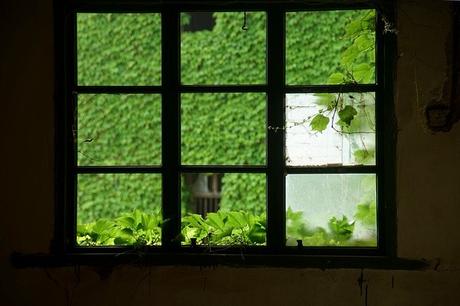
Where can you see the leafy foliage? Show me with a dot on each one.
(310, 55)
(237, 228)
(109, 195)
(137, 228)
(341, 229)
(319, 123)
(365, 213)
(339, 233)
(357, 65)
(119, 49)
(125, 49)
(224, 228)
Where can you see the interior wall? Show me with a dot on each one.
(428, 191)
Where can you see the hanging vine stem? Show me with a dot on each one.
(245, 22)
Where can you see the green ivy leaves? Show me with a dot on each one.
(222, 228)
(347, 114)
(319, 123)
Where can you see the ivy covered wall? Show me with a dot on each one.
(116, 49)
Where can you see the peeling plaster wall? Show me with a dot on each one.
(428, 192)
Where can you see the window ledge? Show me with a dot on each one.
(20, 260)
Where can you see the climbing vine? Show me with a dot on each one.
(125, 49)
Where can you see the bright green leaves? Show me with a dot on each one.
(223, 129)
(238, 192)
(336, 78)
(240, 216)
(364, 156)
(119, 129)
(224, 228)
(314, 42)
(119, 49)
(341, 229)
(241, 191)
(358, 59)
(319, 123)
(363, 73)
(106, 196)
(347, 114)
(136, 228)
(338, 233)
(226, 54)
(330, 47)
(296, 226)
(366, 213)
(359, 25)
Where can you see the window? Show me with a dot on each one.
(203, 128)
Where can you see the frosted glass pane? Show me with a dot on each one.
(336, 139)
(331, 209)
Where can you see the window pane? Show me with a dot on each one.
(223, 129)
(119, 49)
(330, 47)
(119, 209)
(119, 129)
(331, 209)
(216, 50)
(330, 129)
(223, 209)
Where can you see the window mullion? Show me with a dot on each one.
(385, 135)
(170, 127)
(276, 165)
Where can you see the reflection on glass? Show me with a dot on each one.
(330, 47)
(223, 209)
(119, 49)
(331, 209)
(330, 129)
(118, 209)
(216, 50)
(119, 129)
(223, 129)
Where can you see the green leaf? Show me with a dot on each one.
(341, 229)
(319, 123)
(366, 213)
(336, 78)
(347, 114)
(363, 73)
(363, 156)
(237, 219)
(215, 220)
(126, 221)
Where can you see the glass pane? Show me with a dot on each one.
(330, 129)
(330, 47)
(216, 50)
(119, 129)
(223, 129)
(119, 209)
(331, 209)
(223, 209)
(119, 49)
